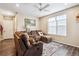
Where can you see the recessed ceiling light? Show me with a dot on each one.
(17, 5)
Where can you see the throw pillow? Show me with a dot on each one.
(31, 40)
(25, 40)
(40, 33)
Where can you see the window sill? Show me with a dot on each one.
(57, 35)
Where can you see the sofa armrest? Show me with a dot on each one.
(35, 50)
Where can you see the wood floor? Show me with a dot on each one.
(7, 48)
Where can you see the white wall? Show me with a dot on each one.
(20, 22)
(72, 37)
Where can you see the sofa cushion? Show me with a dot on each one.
(26, 35)
(22, 46)
(24, 39)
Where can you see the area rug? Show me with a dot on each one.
(50, 48)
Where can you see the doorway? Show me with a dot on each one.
(7, 28)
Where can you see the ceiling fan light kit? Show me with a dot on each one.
(42, 6)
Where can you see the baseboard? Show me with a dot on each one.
(8, 38)
(66, 44)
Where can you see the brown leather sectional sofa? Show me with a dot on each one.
(35, 49)
(39, 35)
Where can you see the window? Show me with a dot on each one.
(52, 26)
(57, 25)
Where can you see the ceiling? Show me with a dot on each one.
(30, 10)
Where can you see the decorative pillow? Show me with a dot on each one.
(25, 40)
(31, 40)
(26, 36)
(40, 33)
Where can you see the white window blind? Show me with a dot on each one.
(57, 25)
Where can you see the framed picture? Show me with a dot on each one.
(30, 22)
(33, 22)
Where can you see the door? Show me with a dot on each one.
(7, 29)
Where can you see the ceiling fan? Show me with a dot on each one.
(42, 6)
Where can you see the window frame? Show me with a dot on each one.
(65, 34)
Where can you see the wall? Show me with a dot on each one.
(1, 18)
(20, 22)
(72, 37)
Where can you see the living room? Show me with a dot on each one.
(54, 26)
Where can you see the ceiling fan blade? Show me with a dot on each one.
(45, 6)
